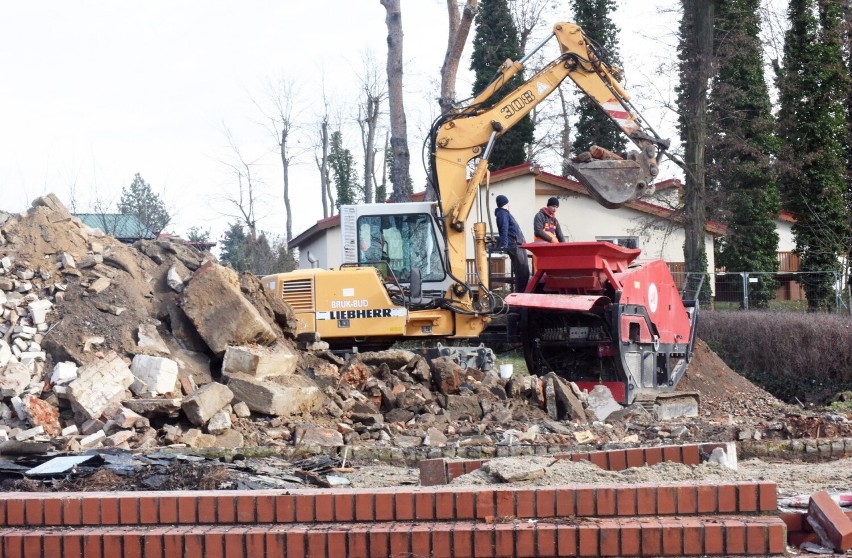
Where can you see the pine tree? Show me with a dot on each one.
(139, 200)
(234, 247)
(813, 89)
(741, 146)
(593, 126)
(495, 41)
(343, 171)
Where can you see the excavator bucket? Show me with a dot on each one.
(612, 183)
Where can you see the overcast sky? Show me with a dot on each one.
(93, 92)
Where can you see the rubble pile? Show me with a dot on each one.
(104, 345)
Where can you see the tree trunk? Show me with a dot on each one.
(460, 21)
(371, 121)
(322, 164)
(285, 166)
(399, 134)
(698, 16)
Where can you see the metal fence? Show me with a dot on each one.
(780, 291)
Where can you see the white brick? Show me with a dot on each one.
(159, 374)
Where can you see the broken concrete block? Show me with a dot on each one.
(285, 395)
(464, 406)
(43, 414)
(91, 426)
(221, 314)
(157, 373)
(150, 341)
(174, 280)
(230, 439)
(5, 353)
(93, 440)
(206, 401)
(601, 402)
(15, 379)
(568, 404)
(242, 410)
(38, 310)
(119, 438)
(260, 362)
(435, 438)
(194, 438)
(70, 430)
(122, 416)
(219, 422)
(148, 407)
(98, 384)
(63, 373)
(446, 374)
(310, 435)
(18, 406)
(31, 433)
(66, 260)
(99, 285)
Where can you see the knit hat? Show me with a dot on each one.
(502, 200)
(553, 202)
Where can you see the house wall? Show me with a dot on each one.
(786, 242)
(326, 247)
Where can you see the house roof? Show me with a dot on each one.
(314, 230)
(119, 225)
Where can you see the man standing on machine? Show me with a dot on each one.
(511, 239)
(545, 225)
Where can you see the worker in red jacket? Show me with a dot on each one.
(545, 225)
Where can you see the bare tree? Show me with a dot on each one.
(460, 20)
(528, 16)
(321, 158)
(373, 94)
(400, 176)
(242, 205)
(283, 96)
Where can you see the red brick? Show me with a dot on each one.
(207, 509)
(565, 502)
(585, 501)
(824, 511)
(285, 508)
(747, 497)
(610, 535)
(735, 542)
(3, 514)
(433, 472)
(168, 509)
(344, 507)
(91, 510)
(793, 520)
(462, 542)
(666, 500)
(706, 498)
(379, 540)
(525, 540)
(296, 545)
(653, 456)
(756, 539)
(128, 510)
(32, 544)
(726, 498)
(599, 458)
(34, 511)
(631, 539)
(525, 503)
(193, 545)
(504, 499)
(472, 465)
(687, 500)
(316, 541)
(691, 455)
(465, 505)
(187, 510)
(635, 457)
(420, 545)
(335, 542)
(72, 545)
(148, 510)
(693, 537)
(305, 507)
(152, 544)
(400, 540)
(245, 511)
(777, 539)
(617, 460)
(504, 540)
(172, 544)
(545, 502)
(92, 545)
(444, 505)
(485, 504)
(566, 540)
(404, 506)
(214, 543)
(625, 501)
(357, 542)
(483, 541)
(384, 506)
(672, 537)
(714, 539)
(109, 511)
(672, 454)
(442, 545)
(588, 538)
(52, 545)
(768, 496)
(276, 544)
(324, 507)
(652, 538)
(424, 506)
(581, 457)
(646, 500)
(605, 501)
(454, 469)
(132, 543)
(545, 539)
(265, 508)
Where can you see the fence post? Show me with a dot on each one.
(838, 299)
(745, 289)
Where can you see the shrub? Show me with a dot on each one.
(789, 354)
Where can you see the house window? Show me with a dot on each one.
(623, 241)
(402, 242)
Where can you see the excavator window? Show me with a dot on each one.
(402, 242)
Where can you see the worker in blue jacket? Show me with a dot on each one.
(511, 239)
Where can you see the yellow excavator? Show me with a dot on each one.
(404, 275)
